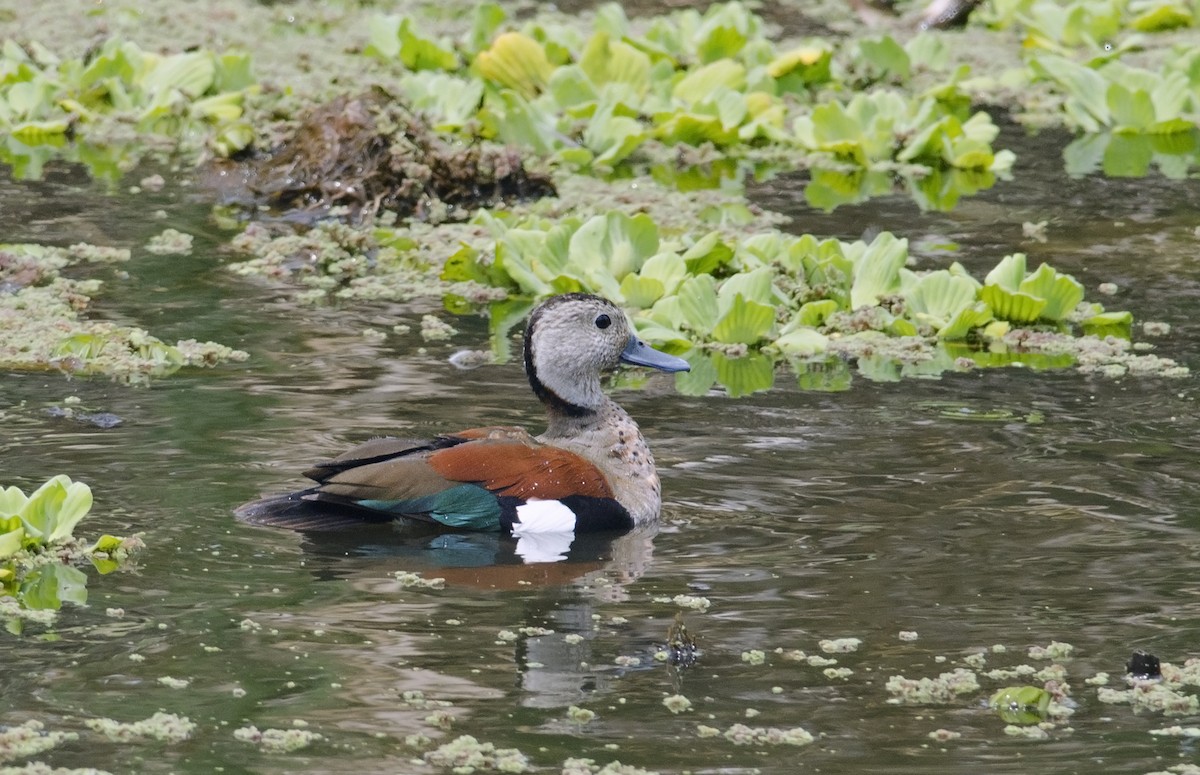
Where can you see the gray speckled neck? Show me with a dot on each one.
(611, 440)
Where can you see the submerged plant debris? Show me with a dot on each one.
(368, 155)
(41, 315)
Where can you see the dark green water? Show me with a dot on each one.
(927, 506)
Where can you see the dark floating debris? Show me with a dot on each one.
(371, 154)
(681, 645)
(1143, 664)
(103, 420)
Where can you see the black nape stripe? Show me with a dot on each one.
(547, 396)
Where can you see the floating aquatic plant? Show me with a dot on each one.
(1021, 704)
(692, 79)
(48, 103)
(38, 546)
(734, 308)
(1126, 99)
(1087, 25)
(41, 316)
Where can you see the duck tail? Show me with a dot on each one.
(301, 512)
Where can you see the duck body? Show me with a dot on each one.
(591, 470)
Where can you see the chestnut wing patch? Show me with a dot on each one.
(521, 470)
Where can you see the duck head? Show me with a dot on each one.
(572, 339)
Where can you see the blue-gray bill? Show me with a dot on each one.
(639, 353)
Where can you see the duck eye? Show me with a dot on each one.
(603, 321)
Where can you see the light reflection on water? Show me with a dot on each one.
(998, 507)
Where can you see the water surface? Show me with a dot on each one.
(995, 507)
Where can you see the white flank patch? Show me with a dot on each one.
(544, 531)
(538, 516)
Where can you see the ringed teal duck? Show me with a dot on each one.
(590, 471)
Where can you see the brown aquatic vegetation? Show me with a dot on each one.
(370, 154)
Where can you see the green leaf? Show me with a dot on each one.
(107, 544)
(234, 73)
(11, 542)
(887, 55)
(192, 74)
(640, 292)
(1014, 307)
(698, 302)
(611, 137)
(1061, 292)
(746, 322)
(1128, 155)
(877, 269)
(49, 586)
(700, 378)
(418, 53)
(669, 269)
(516, 61)
(383, 36)
(12, 501)
(41, 132)
(797, 68)
(725, 31)
(939, 296)
(967, 320)
(101, 553)
(1160, 16)
(1086, 89)
(75, 506)
(614, 243)
(755, 286)
(814, 313)
(745, 375)
(1021, 704)
(1132, 109)
(451, 102)
(465, 265)
(573, 91)
(516, 120)
(607, 61)
(40, 513)
(707, 254)
(1009, 273)
(803, 342)
(488, 17)
(503, 316)
(1117, 324)
(519, 265)
(700, 84)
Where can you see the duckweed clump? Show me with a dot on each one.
(278, 741)
(582, 766)
(840, 645)
(740, 734)
(41, 311)
(30, 739)
(932, 691)
(465, 754)
(165, 727)
(170, 242)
